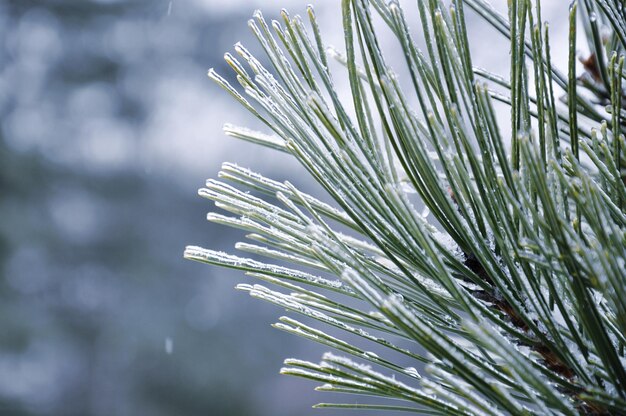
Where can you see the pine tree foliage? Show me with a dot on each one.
(497, 253)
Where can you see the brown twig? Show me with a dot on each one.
(549, 357)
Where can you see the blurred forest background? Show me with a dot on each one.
(108, 126)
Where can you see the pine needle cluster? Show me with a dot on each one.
(496, 253)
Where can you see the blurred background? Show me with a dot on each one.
(108, 126)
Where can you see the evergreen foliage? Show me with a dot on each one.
(498, 252)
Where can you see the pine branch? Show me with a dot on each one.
(511, 278)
